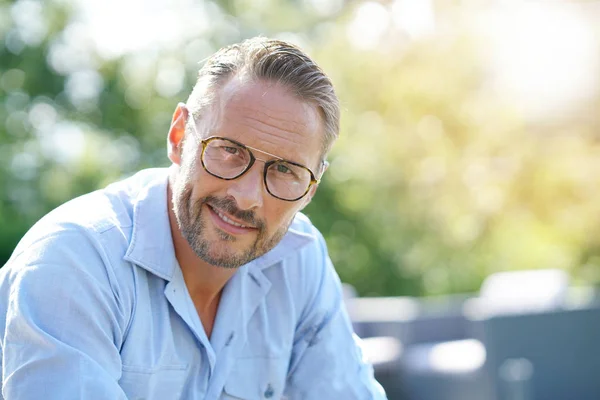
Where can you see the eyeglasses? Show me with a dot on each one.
(227, 159)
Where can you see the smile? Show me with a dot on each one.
(230, 221)
(225, 223)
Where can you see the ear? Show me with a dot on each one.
(177, 133)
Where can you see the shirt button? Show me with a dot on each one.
(269, 392)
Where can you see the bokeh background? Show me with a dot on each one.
(470, 138)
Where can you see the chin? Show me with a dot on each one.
(223, 253)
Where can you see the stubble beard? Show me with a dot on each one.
(219, 252)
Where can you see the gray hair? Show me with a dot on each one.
(271, 60)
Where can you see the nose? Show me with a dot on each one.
(248, 190)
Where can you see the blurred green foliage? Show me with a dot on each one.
(437, 179)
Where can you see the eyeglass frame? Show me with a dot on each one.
(253, 158)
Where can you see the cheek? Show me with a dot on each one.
(191, 165)
(200, 182)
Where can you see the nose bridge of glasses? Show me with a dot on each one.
(261, 160)
(273, 157)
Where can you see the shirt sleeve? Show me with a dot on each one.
(63, 323)
(327, 362)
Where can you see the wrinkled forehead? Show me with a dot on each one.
(270, 117)
(274, 101)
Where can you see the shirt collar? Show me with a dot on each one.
(293, 240)
(151, 245)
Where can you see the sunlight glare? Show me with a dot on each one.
(415, 17)
(119, 27)
(367, 28)
(545, 54)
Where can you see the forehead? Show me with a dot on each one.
(269, 117)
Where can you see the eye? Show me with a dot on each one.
(281, 168)
(231, 149)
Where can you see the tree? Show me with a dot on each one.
(437, 180)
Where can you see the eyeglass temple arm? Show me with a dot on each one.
(324, 166)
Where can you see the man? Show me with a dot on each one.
(201, 281)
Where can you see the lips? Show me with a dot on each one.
(226, 223)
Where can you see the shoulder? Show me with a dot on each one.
(313, 249)
(302, 251)
(81, 222)
(305, 268)
(86, 236)
(309, 240)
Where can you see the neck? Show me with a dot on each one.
(204, 281)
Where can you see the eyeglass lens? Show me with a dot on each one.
(228, 160)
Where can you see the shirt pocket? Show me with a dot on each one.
(256, 378)
(164, 382)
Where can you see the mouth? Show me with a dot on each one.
(227, 224)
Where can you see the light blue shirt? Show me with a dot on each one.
(93, 305)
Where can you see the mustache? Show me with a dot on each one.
(230, 207)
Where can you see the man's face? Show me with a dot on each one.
(231, 222)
